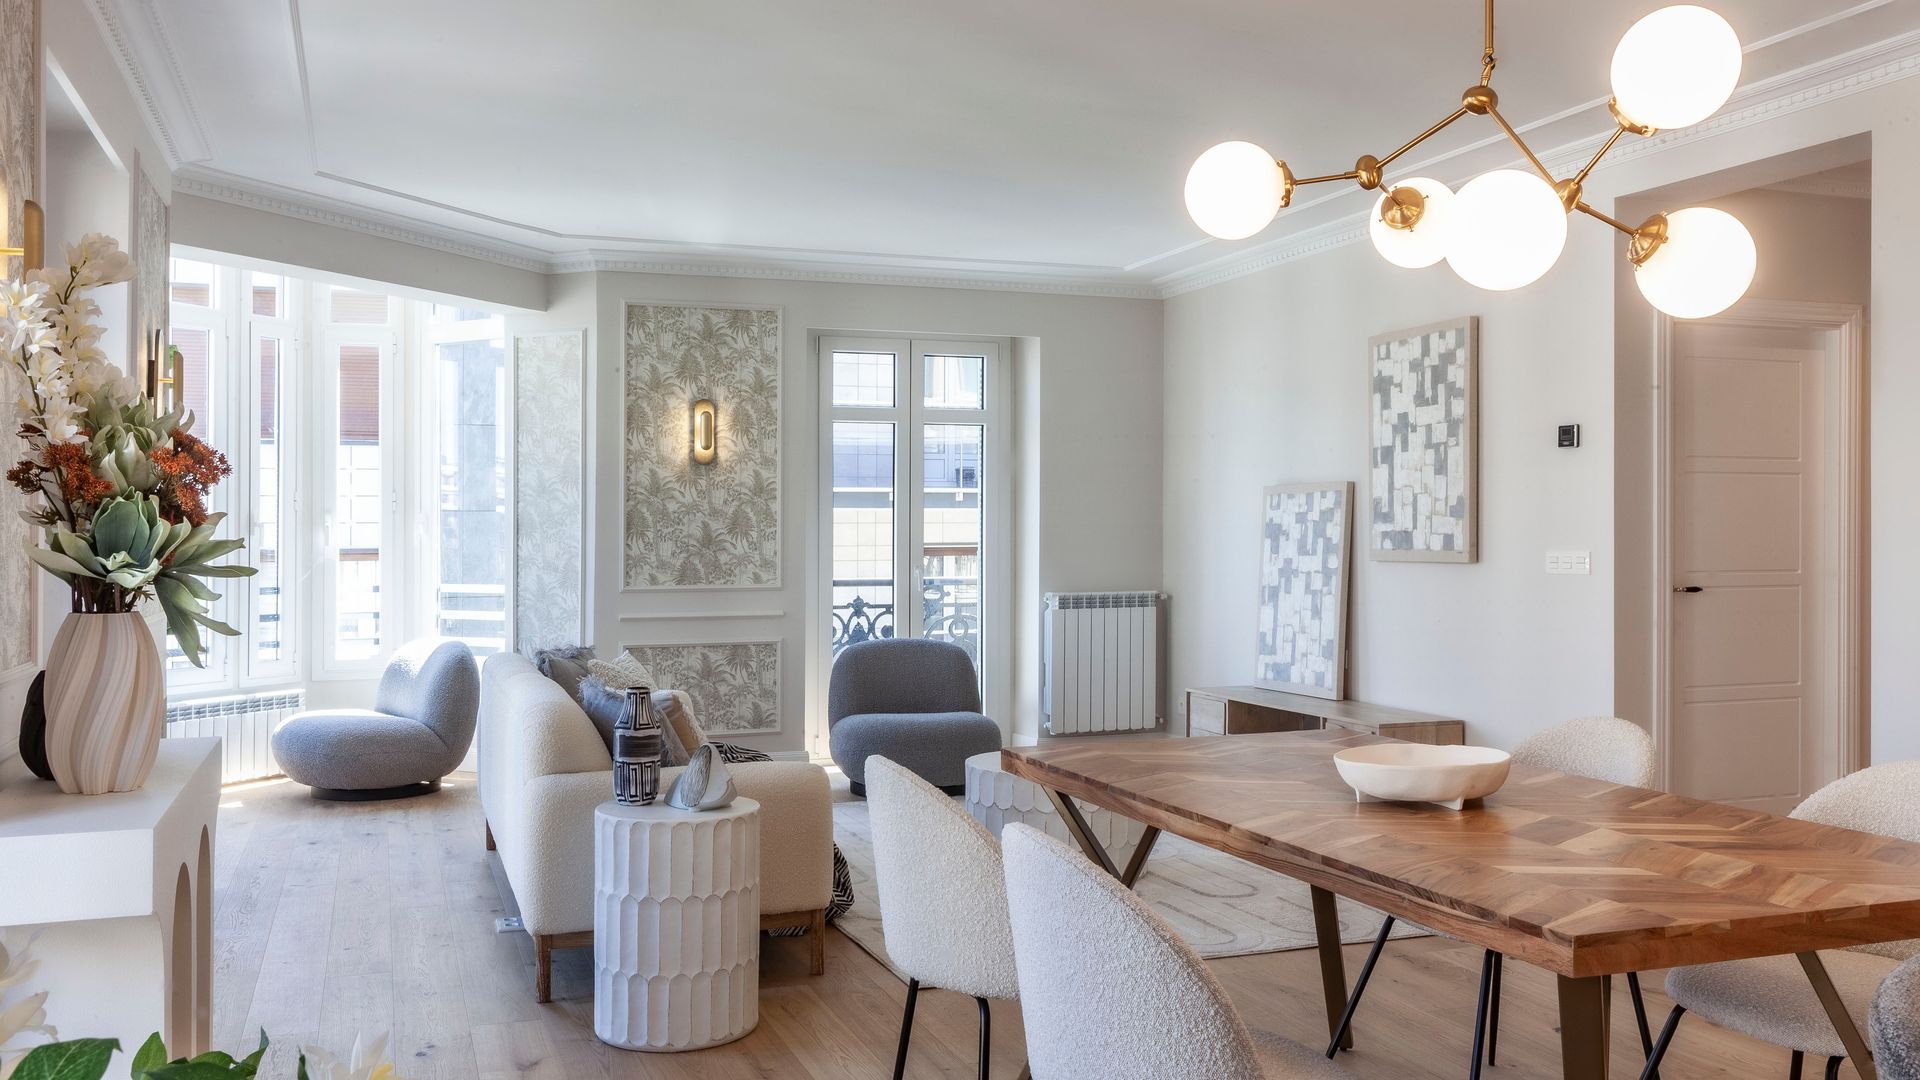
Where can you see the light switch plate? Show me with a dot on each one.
(1569, 562)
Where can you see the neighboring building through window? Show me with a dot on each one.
(367, 436)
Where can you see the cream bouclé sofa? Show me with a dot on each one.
(543, 769)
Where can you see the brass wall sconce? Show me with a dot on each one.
(33, 238)
(706, 432)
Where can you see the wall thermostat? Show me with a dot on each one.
(1569, 435)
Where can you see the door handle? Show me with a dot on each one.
(1689, 588)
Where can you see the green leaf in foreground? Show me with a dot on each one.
(79, 1059)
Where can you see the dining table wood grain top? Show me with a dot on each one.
(1578, 876)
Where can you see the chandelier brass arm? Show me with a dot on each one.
(1506, 227)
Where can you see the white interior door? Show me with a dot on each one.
(1754, 606)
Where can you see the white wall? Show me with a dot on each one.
(1263, 384)
(1086, 383)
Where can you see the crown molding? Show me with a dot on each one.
(1839, 76)
(147, 61)
(321, 210)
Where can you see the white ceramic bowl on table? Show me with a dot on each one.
(1416, 772)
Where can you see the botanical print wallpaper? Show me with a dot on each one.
(548, 443)
(1424, 433)
(149, 248)
(715, 525)
(19, 165)
(735, 686)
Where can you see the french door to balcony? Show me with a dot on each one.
(916, 482)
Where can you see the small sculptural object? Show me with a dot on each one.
(705, 785)
(637, 747)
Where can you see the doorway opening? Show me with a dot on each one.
(1741, 501)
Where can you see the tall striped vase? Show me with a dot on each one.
(106, 703)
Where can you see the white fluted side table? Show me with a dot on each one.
(995, 797)
(676, 925)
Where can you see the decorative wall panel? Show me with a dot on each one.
(1423, 388)
(1305, 540)
(549, 447)
(149, 246)
(735, 686)
(715, 525)
(19, 169)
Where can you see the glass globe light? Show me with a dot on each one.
(1234, 189)
(1675, 67)
(1705, 265)
(1508, 229)
(1426, 242)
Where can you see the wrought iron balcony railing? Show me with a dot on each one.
(950, 611)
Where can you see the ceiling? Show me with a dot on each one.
(994, 137)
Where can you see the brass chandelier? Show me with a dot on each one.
(1506, 228)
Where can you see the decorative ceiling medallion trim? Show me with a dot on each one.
(1889, 60)
(141, 45)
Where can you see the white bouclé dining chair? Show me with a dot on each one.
(1596, 747)
(943, 897)
(1770, 999)
(1108, 989)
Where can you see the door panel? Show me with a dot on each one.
(1751, 525)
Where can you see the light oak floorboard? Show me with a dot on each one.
(337, 918)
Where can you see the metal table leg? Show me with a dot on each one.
(1583, 1028)
(1333, 966)
(1083, 838)
(1843, 1024)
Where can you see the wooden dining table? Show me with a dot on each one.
(1581, 877)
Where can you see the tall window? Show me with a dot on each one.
(917, 489)
(351, 417)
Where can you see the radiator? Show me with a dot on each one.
(244, 724)
(1102, 662)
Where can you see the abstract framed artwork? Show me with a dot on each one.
(1304, 576)
(1422, 467)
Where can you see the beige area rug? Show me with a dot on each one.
(1223, 905)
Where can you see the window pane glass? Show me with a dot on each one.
(269, 507)
(359, 495)
(955, 382)
(471, 482)
(191, 282)
(951, 531)
(358, 308)
(863, 379)
(196, 365)
(269, 293)
(863, 586)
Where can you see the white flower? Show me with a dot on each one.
(365, 1063)
(61, 420)
(25, 1015)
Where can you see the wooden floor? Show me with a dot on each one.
(334, 918)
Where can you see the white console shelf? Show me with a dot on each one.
(119, 889)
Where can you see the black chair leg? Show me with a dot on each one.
(986, 1035)
(1799, 1063)
(1493, 1014)
(1480, 1012)
(906, 1029)
(1833, 1068)
(1660, 1044)
(1360, 986)
(1640, 1018)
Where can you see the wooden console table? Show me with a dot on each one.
(1250, 710)
(120, 889)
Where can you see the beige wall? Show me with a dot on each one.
(1263, 384)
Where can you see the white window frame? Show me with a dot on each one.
(289, 449)
(324, 388)
(218, 321)
(908, 415)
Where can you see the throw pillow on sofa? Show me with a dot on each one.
(566, 665)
